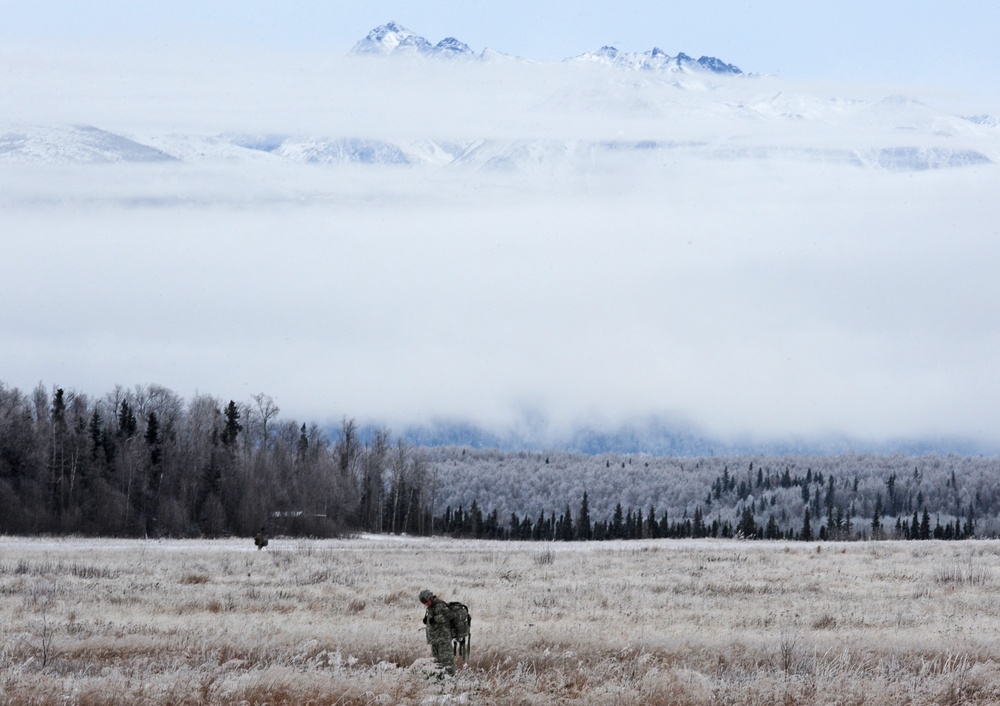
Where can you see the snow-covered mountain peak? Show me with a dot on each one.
(450, 46)
(986, 120)
(656, 60)
(413, 44)
(387, 38)
(717, 65)
(392, 39)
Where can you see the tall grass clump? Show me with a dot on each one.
(973, 573)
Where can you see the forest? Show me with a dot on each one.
(144, 462)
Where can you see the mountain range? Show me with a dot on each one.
(394, 39)
(666, 437)
(674, 107)
(88, 144)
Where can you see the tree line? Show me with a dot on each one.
(142, 462)
(526, 495)
(473, 524)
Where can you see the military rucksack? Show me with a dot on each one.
(460, 621)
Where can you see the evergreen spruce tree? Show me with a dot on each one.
(96, 434)
(128, 425)
(232, 426)
(153, 438)
(59, 454)
(698, 528)
(969, 530)
(600, 531)
(890, 487)
(567, 534)
(807, 534)
(584, 531)
(150, 498)
(475, 521)
(617, 529)
(302, 447)
(747, 527)
(771, 531)
(491, 526)
(652, 526)
(527, 529)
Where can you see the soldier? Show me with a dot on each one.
(437, 625)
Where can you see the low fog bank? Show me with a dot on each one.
(759, 259)
(748, 301)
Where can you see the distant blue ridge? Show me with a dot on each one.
(664, 439)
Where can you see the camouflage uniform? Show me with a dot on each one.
(437, 625)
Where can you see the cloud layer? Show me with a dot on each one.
(754, 256)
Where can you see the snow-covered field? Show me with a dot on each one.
(647, 622)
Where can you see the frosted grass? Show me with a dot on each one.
(650, 622)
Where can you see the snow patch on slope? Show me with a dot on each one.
(65, 145)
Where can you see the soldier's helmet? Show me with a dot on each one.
(425, 596)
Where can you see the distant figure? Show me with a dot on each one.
(260, 539)
(437, 625)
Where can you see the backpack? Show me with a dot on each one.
(460, 621)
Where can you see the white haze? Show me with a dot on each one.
(747, 279)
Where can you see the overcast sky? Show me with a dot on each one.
(921, 41)
(774, 296)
